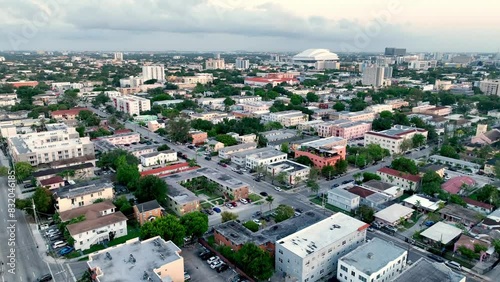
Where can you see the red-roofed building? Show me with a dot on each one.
(121, 131)
(18, 84)
(401, 179)
(164, 171)
(479, 206)
(454, 185)
(53, 182)
(470, 243)
(262, 81)
(360, 191)
(70, 114)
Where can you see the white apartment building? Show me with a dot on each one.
(158, 158)
(391, 139)
(123, 138)
(406, 181)
(246, 138)
(490, 87)
(295, 172)
(80, 195)
(286, 118)
(312, 253)
(118, 56)
(263, 157)
(422, 65)
(132, 105)
(8, 99)
(102, 223)
(153, 72)
(246, 99)
(377, 260)
(253, 107)
(373, 75)
(201, 78)
(343, 199)
(242, 64)
(214, 64)
(354, 116)
(58, 143)
(227, 152)
(380, 108)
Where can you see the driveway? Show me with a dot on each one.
(199, 269)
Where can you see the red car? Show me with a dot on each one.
(234, 204)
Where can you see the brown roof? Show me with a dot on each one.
(360, 191)
(90, 212)
(397, 173)
(81, 159)
(73, 111)
(52, 180)
(91, 224)
(478, 204)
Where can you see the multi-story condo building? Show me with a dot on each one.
(118, 56)
(380, 108)
(392, 139)
(242, 64)
(377, 260)
(67, 115)
(158, 158)
(122, 138)
(214, 64)
(354, 116)
(406, 181)
(373, 76)
(201, 78)
(422, 65)
(253, 107)
(312, 253)
(432, 110)
(153, 259)
(131, 105)
(286, 118)
(490, 87)
(344, 128)
(323, 152)
(8, 99)
(101, 223)
(82, 194)
(246, 99)
(59, 142)
(258, 157)
(397, 103)
(293, 171)
(153, 72)
(226, 152)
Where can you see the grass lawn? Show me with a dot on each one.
(404, 196)
(254, 197)
(219, 201)
(206, 205)
(132, 232)
(319, 201)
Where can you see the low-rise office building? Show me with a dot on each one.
(263, 157)
(227, 152)
(392, 139)
(158, 158)
(294, 172)
(312, 253)
(82, 194)
(343, 199)
(286, 118)
(323, 152)
(377, 260)
(405, 181)
(153, 259)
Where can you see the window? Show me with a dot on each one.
(343, 268)
(361, 278)
(353, 273)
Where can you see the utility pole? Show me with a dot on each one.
(34, 213)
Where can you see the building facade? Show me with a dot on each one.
(132, 105)
(393, 139)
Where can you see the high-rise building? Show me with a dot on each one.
(118, 56)
(131, 105)
(373, 76)
(387, 72)
(391, 51)
(490, 87)
(153, 72)
(214, 64)
(242, 64)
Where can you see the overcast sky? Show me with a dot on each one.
(253, 25)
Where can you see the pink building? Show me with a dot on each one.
(53, 182)
(344, 128)
(454, 185)
(323, 152)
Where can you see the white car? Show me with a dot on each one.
(216, 264)
(257, 222)
(243, 201)
(278, 189)
(212, 259)
(229, 206)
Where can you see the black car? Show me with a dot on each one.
(206, 255)
(299, 210)
(264, 194)
(208, 158)
(257, 179)
(345, 181)
(336, 185)
(436, 258)
(222, 268)
(239, 172)
(45, 278)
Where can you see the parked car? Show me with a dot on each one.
(29, 185)
(243, 201)
(206, 255)
(345, 181)
(296, 213)
(335, 185)
(45, 278)
(234, 204)
(264, 194)
(257, 179)
(239, 172)
(208, 158)
(257, 214)
(429, 223)
(222, 268)
(391, 229)
(229, 206)
(66, 250)
(59, 244)
(216, 264)
(44, 226)
(454, 265)
(278, 188)
(436, 258)
(257, 222)
(212, 259)
(217, 210)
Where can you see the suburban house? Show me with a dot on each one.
(52, 183)
(423, 203)
(456, 184)
(158, 158)
(343, 199)
(470, 243)
(481, 207)
(99, 222)
(441, 234)
(82, 194)
(147, 211)
(458, 214)
(393, 215)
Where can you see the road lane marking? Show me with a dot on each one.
(34, 274)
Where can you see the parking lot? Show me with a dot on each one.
(199, 270)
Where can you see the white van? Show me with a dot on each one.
(454, 265)
(59, 244)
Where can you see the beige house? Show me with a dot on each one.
(153, 259)
(79, 195)
(392, 139)
(215, 146)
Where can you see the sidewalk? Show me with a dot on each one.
(43, 247)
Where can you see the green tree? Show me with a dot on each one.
(431, 183)
(151, 187)
(123, 205)
(70, 97)
(404, 165)
(418, 140)
(178, 130)
(406, 145)
(113, 158)
(127, 174)
(285, 147)
(168, 227)
(339, 107)
(296, 99)
(23, 170)
(311, 97)
(283, 212)
(227, 140)
(43, 200)
(272, 125)
(341, 166)
(163, 147)
(4, 171)
(449, 151)
(252, 226)
(255, 261)
(367, 214)
(367, 176)
(228, 102)
(228, 216)
(270, 200)
(100, 99)
(195, 223)
(328, 171)
(304, 160)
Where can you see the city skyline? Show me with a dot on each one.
(262, 25)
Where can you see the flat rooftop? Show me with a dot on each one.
(326, 142)
(81, 189)
(322, 234)
(265, 154)
(426, 271)
(239, 147)
(373, 256)
(398, 130)
(132, 260)
(442, 232)
(423, 201)
(394, 212)
(288, 166)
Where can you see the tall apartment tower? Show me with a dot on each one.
(153, 72)
(481, 129)
(373, 76)
(398, 52)
(242, 64)
(118, 56)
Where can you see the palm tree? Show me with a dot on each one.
(270, 201)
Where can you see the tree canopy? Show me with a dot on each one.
(149, 188)
(196, 223)
(404, 165)
(168, 227)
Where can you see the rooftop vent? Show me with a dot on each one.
(131, 258)
(370, 255)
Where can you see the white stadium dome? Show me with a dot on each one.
(316, 55)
